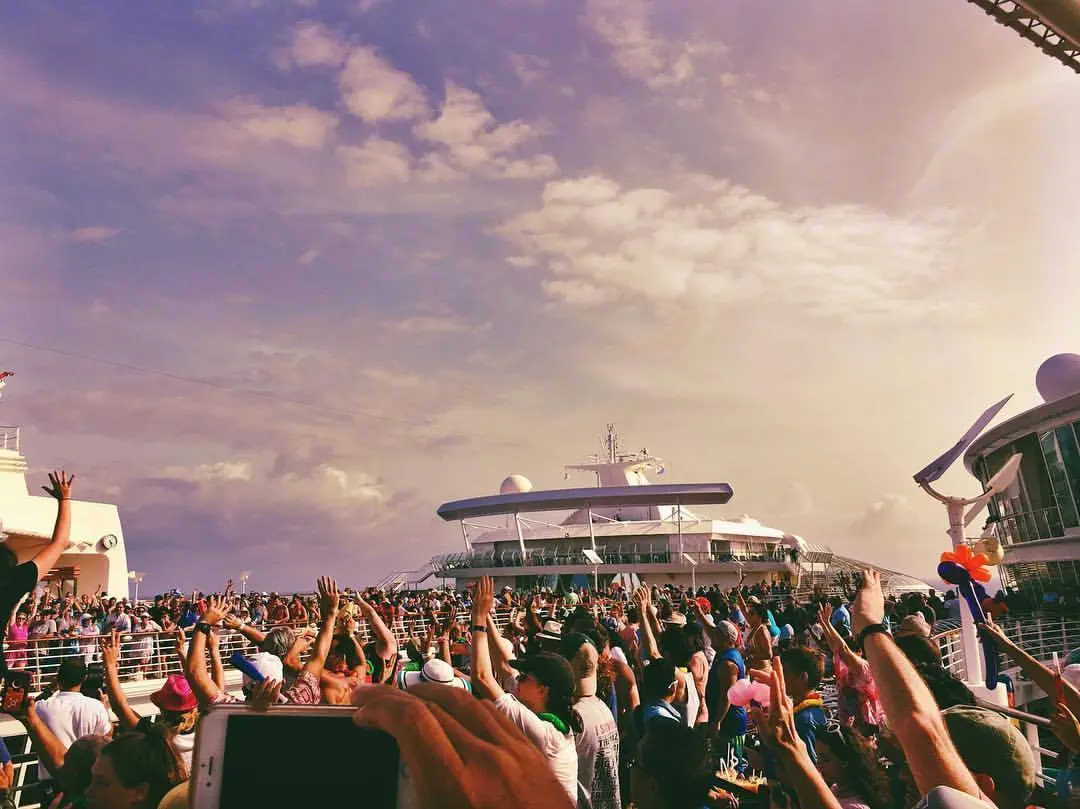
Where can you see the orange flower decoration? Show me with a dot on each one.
(973, 563)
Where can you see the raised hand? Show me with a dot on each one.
(329, 598)
(461, 753)
(483, 599)
(264, 694)
(215, 610)
(110, 650)
(59, 485)
(780, 733)
(180, 642)
(869, 605)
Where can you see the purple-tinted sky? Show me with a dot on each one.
(796, 247)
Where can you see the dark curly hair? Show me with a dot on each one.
(859, 759)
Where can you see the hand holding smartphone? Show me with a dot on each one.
(16, 692)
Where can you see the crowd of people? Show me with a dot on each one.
(659, 697)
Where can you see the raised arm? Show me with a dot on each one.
(1035, 671)
(118, 701)
(60, 488)
(649, 648)
(329, 604)
(834, 639)
(201, 683)
(386, 645)
(484, 682)
(913, 714)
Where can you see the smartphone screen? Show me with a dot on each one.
(321, 761)
(16, 688)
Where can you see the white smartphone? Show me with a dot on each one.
(295, 755)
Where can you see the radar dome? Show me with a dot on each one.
(1058, 377)
(515, 484)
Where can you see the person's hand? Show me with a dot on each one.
(778, 728)
(110, 650)
(59, 485)
(722, 799)
(1064, 725)
(263, 695)
(992, 631)
(180, 641)
(215, 611)
(483, 600)
(232, 622)
(329, 598)
(869, 605)
(824, 614)
(7, 776)
(461, 752)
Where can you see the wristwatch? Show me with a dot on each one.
(205, 628)
(872, 629)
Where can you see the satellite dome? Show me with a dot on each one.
(1058, 377)
(515, 484)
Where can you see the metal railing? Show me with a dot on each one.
(1039, 636)
(10, 437)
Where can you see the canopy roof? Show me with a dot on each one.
(675, 494)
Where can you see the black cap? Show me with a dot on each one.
(572, 643)
(552, 670)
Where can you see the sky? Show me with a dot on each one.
(282, 276)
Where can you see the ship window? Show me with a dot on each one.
(1059, 482)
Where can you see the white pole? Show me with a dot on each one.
(521, 536)
(969, 639)
(592, 531)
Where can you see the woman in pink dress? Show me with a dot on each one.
(859, 705)
(17, 632)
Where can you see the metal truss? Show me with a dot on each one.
(1032, 28)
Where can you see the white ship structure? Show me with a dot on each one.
(97, 561)
(624, 528)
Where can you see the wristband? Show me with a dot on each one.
(205, 628)
(479, 629)
(867, 631)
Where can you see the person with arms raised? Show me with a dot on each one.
(542, 707)
(17, 580)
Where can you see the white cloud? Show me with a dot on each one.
(314, 45)
(298, 125)
(473, 142)
(703, 239)
(374, 90)
(624, 26)
(222, 470)
(377, 162)
(96, 234)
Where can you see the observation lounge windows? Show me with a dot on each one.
(1058, 478)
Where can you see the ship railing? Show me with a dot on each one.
(1025, 526)
(10, 437)
(151, 655)
(1040, 636)
(565, 554)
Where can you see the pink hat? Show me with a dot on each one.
(175, 695)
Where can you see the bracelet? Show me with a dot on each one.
(867, 631)
(203, 627)
(479, 629)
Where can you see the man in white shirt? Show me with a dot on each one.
(70, 715)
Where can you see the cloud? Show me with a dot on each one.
(700, 238)
(624, 26)
(299, 125)
(97, 234)
(472, 142)
(315, 45)
(375, 91)
(377, 161)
